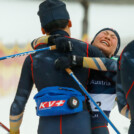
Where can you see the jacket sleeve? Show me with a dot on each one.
(21, 97)
(100, 64)
(121, 99)
(94, 52)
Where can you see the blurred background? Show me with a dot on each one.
(19, 25)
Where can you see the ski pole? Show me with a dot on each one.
(69, 71)
(27, 53)
(1, 124)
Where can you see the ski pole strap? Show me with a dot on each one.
(28, 53)
(2, 125)
(69, 71)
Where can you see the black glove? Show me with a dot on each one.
(63, 44)
(52, 38)
(67, 62)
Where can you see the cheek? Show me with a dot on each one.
(114, 44)
(96, 41)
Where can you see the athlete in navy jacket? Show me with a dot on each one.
(39, 69)
(101, 85)
(125, 83)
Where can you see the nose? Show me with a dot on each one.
(107, 37)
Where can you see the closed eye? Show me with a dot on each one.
(113, 37)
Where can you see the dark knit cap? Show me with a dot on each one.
(51, 10)
(117, 35)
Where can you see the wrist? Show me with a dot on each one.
(77, 60)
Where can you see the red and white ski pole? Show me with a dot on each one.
(3, 126)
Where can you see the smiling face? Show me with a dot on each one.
(106, 41)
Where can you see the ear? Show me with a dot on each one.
(43, 31)
(69, 23)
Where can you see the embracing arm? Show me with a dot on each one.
(121, 99)
(101, 64)
(96, 60)
(64, 45)
(21, 97)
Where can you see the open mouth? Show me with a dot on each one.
(105, 42)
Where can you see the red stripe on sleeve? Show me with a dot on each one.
(32, 66)
(129, 89)
(39, 45)
(88, 69)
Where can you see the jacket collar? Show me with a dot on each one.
(61, 32)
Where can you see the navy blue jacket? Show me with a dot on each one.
(39, 68)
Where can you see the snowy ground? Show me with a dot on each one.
(30, 120)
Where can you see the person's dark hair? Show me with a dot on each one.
(55, 25)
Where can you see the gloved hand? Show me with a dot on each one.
(63, 44)
(67, 62)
